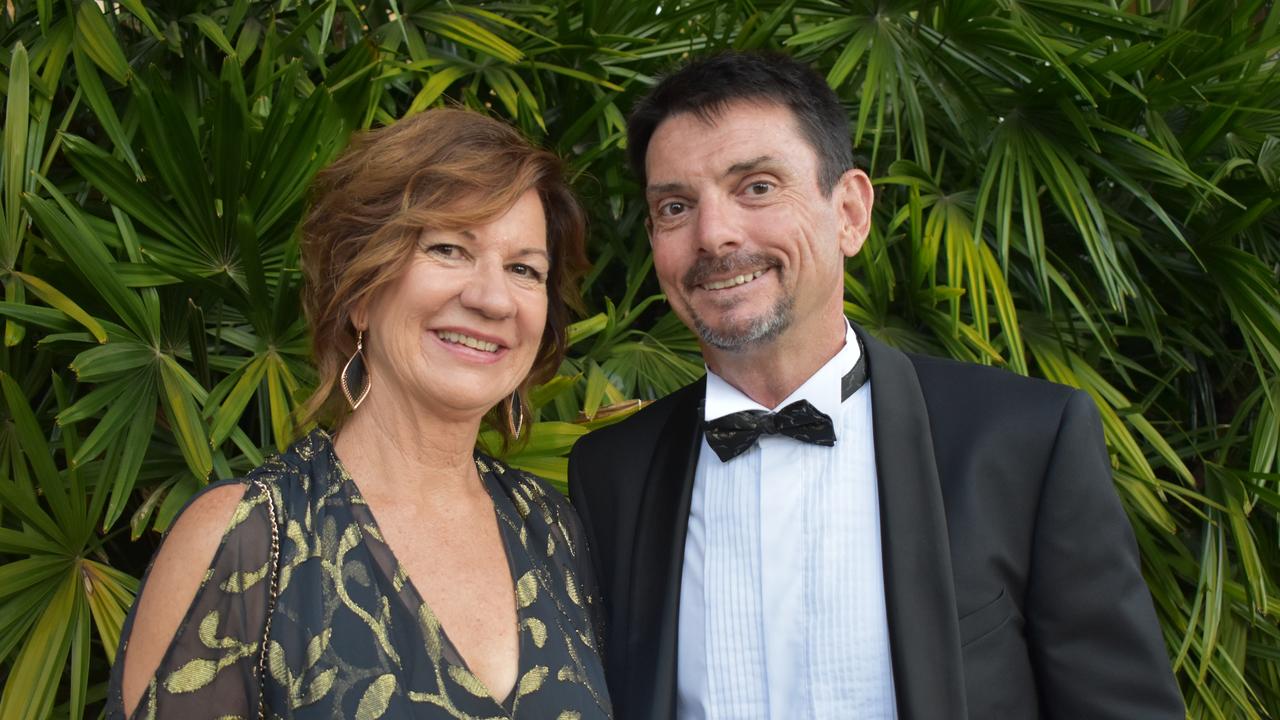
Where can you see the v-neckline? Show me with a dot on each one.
(507, 703)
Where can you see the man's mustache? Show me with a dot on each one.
(738, 263)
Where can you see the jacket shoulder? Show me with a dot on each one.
(641, 428)
(983, 387)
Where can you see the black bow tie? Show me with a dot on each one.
(735, 433)
(732, 434)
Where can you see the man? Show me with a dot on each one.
(907, 537)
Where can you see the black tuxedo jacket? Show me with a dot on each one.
(1011, 573)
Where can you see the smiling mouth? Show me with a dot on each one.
(734, 281)
(466, 340)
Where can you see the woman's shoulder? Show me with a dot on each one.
(200, 527)
(220, 508)
(307, 458)
(299, 480)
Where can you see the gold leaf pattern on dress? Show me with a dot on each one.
(569, 715)
(573, 655)
(242, 512)
(564, 532)
(376, 698)
(431, 631)
(317, 645)
(150, 701)
(526, 590)
(467, 681)
(551, 545)
(532, 680)
(377, 625)
(303, 550)
(537, 630)
(241, 581)
(319, 687)
(522, 506)
(208, 630)
(192, 676)
(199, 672)
(277, 665)
(571, 586)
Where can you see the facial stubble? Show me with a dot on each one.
(755, 331)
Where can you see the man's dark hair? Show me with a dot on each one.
(707, 85)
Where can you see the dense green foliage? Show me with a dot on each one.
(1083, 190)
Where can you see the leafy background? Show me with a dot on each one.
(1083, 190)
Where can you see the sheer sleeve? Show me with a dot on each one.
(211, 666)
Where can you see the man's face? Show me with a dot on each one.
(746, 246)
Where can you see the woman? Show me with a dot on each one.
(393, 571)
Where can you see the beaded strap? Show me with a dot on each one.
(271, 599)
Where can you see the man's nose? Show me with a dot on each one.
(718, 226)
(488, 291)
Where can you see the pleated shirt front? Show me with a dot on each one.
(782, 608)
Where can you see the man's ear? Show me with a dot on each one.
(853, 197)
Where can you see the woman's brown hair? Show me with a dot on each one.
(442, 169)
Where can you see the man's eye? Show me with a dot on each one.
(760, 188)
(672, 209)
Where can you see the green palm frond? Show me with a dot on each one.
(1072, 189)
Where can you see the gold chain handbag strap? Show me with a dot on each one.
(271, 599)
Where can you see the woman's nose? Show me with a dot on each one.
(488, 291)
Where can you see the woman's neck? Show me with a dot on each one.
(418, 456)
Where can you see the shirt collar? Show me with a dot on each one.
(822, 389)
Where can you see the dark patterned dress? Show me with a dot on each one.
(349, 636)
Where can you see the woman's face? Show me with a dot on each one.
(459, 329)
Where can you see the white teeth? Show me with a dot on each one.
(731, 282)
(467, 340)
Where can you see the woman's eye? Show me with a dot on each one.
(527, 271)
(444, 250)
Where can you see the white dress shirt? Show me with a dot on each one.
(782, 611)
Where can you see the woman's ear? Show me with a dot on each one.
(359, 315)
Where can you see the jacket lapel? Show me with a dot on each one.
(924, 634)
(657, 561)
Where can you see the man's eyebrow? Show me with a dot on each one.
(739, 168)
(664, 188)
(746, 166)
